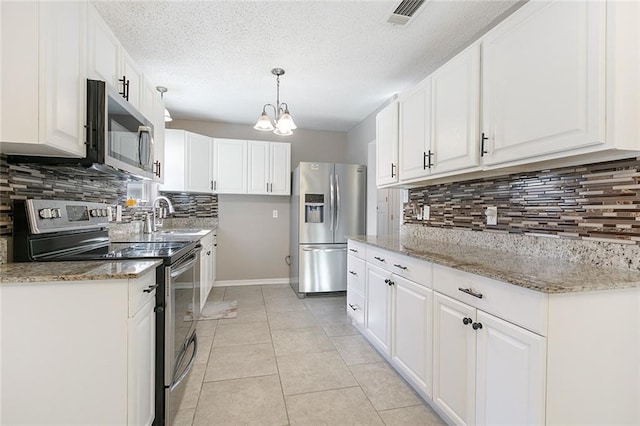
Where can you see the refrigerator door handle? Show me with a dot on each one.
(331, 200)
(337, 211)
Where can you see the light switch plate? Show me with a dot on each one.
(275, 214)
(492, 215)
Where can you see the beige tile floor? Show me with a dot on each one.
(285, 361)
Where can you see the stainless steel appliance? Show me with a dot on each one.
(54, 230)
(118, 139)
(328, 203)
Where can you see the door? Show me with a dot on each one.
(543, 80)
(103, 50)
(511, 367)
(316, 203)
(133, 77)
(323, 268)
(412, 331)
(455, 91)
(280, 168)
(198, 163)
(350, 201)
(63, 75)
(415, 132)
(378, 307)
(454, 359)
(259, 165)
(230, 170)
(142, 351)
(387, 145)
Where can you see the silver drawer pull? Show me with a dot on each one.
(354, 307)
(470, 292)
(353, 250)
(353, 273)
(404, 268)
(379, 259)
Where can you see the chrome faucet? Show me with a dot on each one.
(154, 224)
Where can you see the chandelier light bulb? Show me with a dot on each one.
(264, 123)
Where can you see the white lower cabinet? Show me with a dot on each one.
(484, 352)
(84, 354)
(486, 370)
(411, 332)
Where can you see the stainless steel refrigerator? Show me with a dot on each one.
(328, 203)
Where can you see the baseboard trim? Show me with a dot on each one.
(264, 281)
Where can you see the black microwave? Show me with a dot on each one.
(119, 139)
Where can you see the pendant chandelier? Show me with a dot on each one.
(282, 124)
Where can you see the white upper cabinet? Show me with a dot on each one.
(110, 62)
(415, 132)
(230, 166)
(43, 72)
(189, 162)
(387, 145)
(455, 91)
(269, 168)
(544, 81)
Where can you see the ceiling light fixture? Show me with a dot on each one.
(163, 90)
(283, 124)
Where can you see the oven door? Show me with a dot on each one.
(181, 342)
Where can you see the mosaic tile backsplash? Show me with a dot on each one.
(19, 182)
(599, 202)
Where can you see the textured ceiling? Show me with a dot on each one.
(342, 60)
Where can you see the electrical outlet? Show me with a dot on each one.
(491, 213)
(426, 212)
(275, 214)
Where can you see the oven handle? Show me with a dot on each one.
(194, 340)
(185, 266)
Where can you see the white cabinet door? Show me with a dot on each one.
(174, 170)
(133, 78)
(378, 307)
(205, 274)
(415, 132)
(543, 80)
(103, 50)
(43, 71)
(258, 168)
(454, 359)
(387, 145)
(455, 91)
(158, 139)
(198, 163)
(147, 99)
(230, 170)
(141, 371)
(280, 168)
(411, 328)
(511, 371)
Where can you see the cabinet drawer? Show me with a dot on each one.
(411, 268)
(355, 273)
(355, 306)
(357, 249)
(138, 297)
(521, 306)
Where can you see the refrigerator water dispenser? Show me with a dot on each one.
(314, 208)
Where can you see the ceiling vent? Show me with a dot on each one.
(404, 12)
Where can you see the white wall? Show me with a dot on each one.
(251, 244)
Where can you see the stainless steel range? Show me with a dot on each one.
(55, 230)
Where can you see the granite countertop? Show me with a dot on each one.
(544, 274)
(163, 235)
(29, 272)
